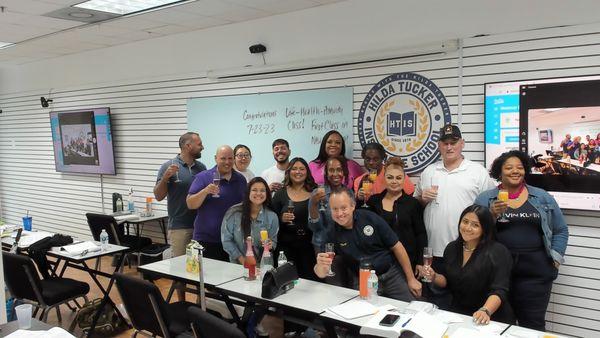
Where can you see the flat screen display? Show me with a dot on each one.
(82, 141)
(536, 116)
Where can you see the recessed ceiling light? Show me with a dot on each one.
(125, 7)
(6, 45)
(81, 15)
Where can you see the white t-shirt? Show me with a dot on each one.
(248, 174)
(457, 189)
(273, 174)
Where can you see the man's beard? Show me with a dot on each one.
(197, 155)
(282, 161)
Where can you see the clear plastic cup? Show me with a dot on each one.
(24, 315)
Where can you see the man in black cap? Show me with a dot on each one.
(446, 188)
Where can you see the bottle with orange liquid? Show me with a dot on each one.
(363, 279)
(250, 261)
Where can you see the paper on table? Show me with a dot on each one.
(490, 328)
(353, 309)
(463, 332)
(516, 333)
(79, 248)
(55, 332)
(127, 217)
(418, 306)
(448, 317)
(423, 324)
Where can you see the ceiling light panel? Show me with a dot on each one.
(123, 7)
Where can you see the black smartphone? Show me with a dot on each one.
(389, 320)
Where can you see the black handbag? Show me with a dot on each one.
(278, 281)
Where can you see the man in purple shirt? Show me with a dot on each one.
(211, 209)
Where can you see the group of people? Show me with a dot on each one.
(493, 259)
(583, 151)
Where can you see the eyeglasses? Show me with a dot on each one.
(242, 156)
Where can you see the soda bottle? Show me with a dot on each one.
(250, 261)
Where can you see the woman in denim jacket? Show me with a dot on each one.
(248, 219)
(532, 227)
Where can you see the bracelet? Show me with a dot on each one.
(484, 309)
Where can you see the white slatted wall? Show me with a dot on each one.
(571, 51)
(148, 117)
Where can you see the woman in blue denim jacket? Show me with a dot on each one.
(248, 219)
(532, 227)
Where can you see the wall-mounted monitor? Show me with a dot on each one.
(536, 116)
(82, 141)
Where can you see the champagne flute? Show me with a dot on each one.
(435, 185)
(503, 197)
(330, 250)
(367, 186)
(216, 181)
(427, 260)
(177, 180)
(290, 209)
(322, 202)
(373, 175)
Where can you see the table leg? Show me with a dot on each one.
(106, 298)
(161, 222)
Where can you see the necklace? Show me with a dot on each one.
(516, 194)
(467, 249)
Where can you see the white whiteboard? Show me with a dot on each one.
(256, 120)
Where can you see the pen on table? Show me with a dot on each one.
(406, 322)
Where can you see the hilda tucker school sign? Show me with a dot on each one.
(404, 112)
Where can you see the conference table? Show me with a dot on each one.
(138, 221)
(308, 301)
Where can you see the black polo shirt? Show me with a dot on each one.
(370, 238)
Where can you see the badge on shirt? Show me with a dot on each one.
(368, 230)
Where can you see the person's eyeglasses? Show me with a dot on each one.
(242, 156)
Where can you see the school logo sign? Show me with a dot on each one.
(404, 113)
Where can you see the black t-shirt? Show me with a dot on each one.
(523, 232)
(406, 221)
(298, 232)
(486, 273)
(370, 239)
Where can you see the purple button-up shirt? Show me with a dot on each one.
(207, 225)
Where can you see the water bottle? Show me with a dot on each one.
(104, 240)
(266, 262)
(282, 259)
(130, 202)
(372, 286)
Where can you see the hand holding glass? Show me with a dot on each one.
(216, 181)
(503, 197)
(373, 175)
(290, 209)
(321, 190)
(330, 250)
(177, 180)
(427, 260)
(367, 187)
(435, 185)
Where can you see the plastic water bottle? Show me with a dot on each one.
(130, 202)
(104, 240)
(372, 286)
(266, 262)
(282, 259)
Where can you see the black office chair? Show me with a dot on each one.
(116, 233)
(206, 325)
(148, 310)
(23, 282)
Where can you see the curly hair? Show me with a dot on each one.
(496, 169)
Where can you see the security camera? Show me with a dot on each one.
(45, 102)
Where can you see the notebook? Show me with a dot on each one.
(422, 324)
(354, 309)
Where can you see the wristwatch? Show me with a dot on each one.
(484, 309)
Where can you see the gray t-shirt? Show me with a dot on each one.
(180, 216)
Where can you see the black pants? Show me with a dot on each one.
(531, 285)
(302, 255)
(214, 251)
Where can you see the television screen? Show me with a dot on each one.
(536, 116)
(82, 141)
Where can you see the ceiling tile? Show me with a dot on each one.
(276, 6)
(169, 29)
(133, 23)
(170, 15)
(204, 23)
